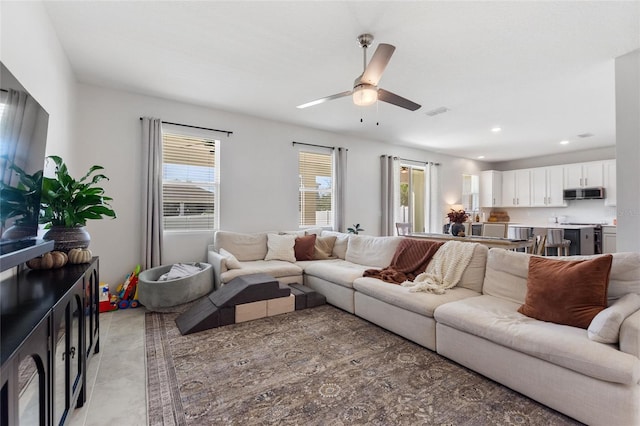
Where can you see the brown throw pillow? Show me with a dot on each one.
(304, 247)
(567, 292)
(324, 247)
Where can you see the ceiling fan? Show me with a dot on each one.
(365, 88)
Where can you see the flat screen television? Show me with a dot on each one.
(23, 139)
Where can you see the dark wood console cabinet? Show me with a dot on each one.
(49, 329)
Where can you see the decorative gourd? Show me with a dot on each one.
(52, 260)
(79, 255)
(59, 259)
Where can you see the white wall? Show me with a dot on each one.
(29, 48)
(258, 173)
(628, 146)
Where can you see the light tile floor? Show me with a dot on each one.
(116, 376)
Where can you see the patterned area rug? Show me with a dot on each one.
(319, 366)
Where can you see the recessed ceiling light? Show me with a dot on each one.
(564, 142)
(480, 157)
(496, 129)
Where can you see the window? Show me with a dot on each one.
(190, 181)
(316, 200)
(413, 195)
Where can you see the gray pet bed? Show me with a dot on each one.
(163, 294)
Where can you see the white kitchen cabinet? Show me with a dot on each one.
(609, 235)
(490, 188)
(610, 183)
(547, 185)
(583, 175)
(516, 188)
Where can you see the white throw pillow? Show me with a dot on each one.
(605, 327)
(230, 260)
(280, 247)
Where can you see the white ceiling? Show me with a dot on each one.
(542, 71)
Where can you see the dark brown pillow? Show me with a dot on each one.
(324, 247)
(567, 292)
(304, 247)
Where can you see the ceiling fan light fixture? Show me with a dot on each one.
(365, 94)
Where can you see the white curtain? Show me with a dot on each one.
(340, 166)
(434, 224)
(152, 226)
(390, 196)
(18, 124)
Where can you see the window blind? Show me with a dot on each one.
(189, 182)
(316, 188)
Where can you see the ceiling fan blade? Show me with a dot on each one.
(377, 64)
(392, 98)
(325, 99)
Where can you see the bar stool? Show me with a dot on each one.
(555, 239)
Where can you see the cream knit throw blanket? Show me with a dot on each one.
(445, 269)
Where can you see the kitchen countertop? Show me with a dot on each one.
(552, 226)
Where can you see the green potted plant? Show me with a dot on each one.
(21, 203)
(68, 203)
(355, 229)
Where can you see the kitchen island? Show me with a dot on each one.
(491, 242)
(585, 238)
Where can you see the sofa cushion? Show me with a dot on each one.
(506, 274)
(230, 261)
(275, 268)
(245, 247)
(304, 247)
(605, 327)
(374, 251)
(336, 271)
(473, 276)
(340, 246)
(324, 247)
(280, 247)
(421, 303)
(565, 292)
(498, 321)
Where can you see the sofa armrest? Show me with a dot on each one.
(218, 265)
(630, 334)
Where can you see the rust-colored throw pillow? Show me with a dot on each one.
(305, 247)
(567, 292)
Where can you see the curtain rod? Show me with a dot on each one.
(419, 161)
(228, 132)
(317, 146)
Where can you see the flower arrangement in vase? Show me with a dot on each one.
(457, 217)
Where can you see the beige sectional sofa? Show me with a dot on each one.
(476, 323)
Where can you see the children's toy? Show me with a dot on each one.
(105, 304)
(126, 294)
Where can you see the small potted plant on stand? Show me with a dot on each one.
(457, 218)
(68, 203)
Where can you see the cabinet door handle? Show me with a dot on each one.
(585, 181)
(514, 201)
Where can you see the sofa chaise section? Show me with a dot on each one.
(557, 365)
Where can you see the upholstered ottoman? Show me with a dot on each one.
(155, 294)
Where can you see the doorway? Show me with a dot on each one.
(413, 196)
